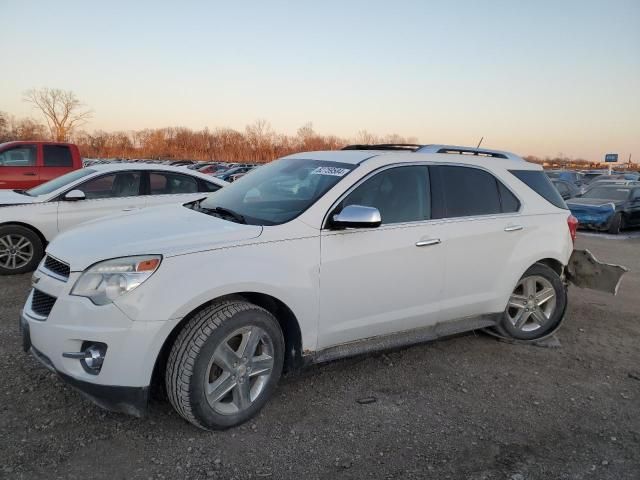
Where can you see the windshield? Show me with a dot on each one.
(279, 191)
(607, 193)
(56, 183)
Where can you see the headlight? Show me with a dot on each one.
(105, 281)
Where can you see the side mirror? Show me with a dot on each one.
(357, 216)
(74, 196)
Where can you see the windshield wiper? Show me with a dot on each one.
(22, 192)
(225, 212)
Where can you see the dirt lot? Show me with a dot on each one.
(468, 407)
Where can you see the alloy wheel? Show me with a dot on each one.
(16, 251)
(531, 304)
(239, 370)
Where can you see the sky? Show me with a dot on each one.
(538, 77)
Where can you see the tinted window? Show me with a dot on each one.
(540, 183)
(508, 200)
(161, 183)
(22, 156)
(208, 186)
(562, 188)
(124, 184)
(466, 191)
(401, 194)
(57, 156)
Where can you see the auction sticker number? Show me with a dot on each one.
(333, 171)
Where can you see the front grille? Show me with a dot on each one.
(56, 266)
(41, 303)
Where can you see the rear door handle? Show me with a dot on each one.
(29, 174)
(427, 243)
(513, 228)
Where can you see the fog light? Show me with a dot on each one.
(91, 357)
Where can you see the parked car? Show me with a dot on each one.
(32, 218)
(230, 174)
(608, 207)
(570, 176)
(565, 189)
(310, 258)
(26, 165)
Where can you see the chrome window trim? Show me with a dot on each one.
(432, 220)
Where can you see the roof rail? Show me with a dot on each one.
(412, 147)
(455, 149)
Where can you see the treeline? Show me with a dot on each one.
(258, 142)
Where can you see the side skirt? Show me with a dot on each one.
(403, 339)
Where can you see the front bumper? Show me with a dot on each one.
(129, 400)
(123, 382)
(596, 218)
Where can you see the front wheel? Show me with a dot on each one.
(616, 224)
(225, 364)
(536, 305)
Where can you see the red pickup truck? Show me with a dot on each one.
(24, 165)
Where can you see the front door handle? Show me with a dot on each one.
(513, 228)
(29, 174)
(427, 243)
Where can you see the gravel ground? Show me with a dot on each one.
(467, 407)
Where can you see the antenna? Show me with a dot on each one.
(480, 142)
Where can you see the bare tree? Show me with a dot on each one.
(61, 108)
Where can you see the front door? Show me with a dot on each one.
(377, 281)
(105, 195)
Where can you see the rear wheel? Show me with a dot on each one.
(536, 305)
(616, 224)
(20, 250)
(225, 364)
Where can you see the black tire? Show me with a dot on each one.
(35, 247)
(507, 329)
(192, 352)
(616, 224)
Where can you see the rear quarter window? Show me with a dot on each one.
(537, 181)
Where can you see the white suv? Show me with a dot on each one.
(313, 257)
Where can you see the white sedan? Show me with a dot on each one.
(31, 219)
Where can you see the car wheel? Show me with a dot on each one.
(536, 306)
(616, 224)
(21, 250)
(225, 364)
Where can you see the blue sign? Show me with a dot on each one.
(611, 157)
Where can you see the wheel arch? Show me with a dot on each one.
(285, 316)
(30, 227)
(552, 263)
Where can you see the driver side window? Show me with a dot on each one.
(124, 184)
(401, 194)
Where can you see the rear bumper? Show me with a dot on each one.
(585, 271)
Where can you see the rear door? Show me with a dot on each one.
(19, 167)
(56, 161)
(171, 187)
(105, 195)
(377, 281)
(480, 231)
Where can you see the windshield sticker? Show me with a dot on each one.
(333, 171)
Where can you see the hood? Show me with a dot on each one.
(9, 197)
(166, 230)
(593, 202)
